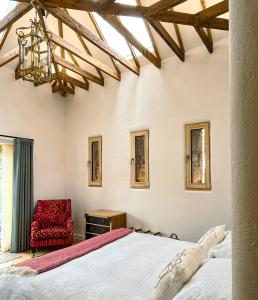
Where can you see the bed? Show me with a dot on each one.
(126, 269)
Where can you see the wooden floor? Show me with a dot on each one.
(24, 256)
(28, 255)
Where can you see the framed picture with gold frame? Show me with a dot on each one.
(95, 161)
(140, 159)
(197, 149)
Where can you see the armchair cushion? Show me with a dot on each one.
(52, 232)
(43, 220)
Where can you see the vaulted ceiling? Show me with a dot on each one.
(82, 55)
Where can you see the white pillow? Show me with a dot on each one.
(177, 273)
(211, 238)
(224, 249)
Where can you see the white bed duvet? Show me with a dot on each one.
(126, 269)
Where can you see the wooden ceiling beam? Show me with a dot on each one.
(78, 70)
(15, 14)
(168, 16)
(46, 30)
(147, 26)
(205, 38)
(168, 39)
(83, 56)
(73, 81)
(101, 4)
(101, 36)
(9, 56)
(116, 23)
(212, 12)
(86, 49)
(77, 65)
(162, 5)
(205, 34)
(63, 89)
(4, 37)
(87, 34)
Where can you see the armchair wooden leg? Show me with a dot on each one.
(33, 250)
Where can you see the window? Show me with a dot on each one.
(197, 143)
(135, 25)
(5, 7)
(140, 159)
(95, 161)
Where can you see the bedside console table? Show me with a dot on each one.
(101, 221)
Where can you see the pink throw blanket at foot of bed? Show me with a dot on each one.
(57, 258)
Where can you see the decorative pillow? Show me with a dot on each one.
(61, 218)
(211, 238)
(224, 249)
(43, 219)
(177, 273)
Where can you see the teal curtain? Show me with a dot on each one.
(22, 194)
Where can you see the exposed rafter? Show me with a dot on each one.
(4, 36)
(64, 63)
(116, 23)
(153, 16)
(168, 39)
(19, 11)
(203, 18)
(87, 34)
(83, 56)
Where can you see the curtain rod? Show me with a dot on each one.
(14, 137)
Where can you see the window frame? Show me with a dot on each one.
(91, 182)
(134, 184)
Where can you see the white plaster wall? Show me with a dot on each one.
(36, 113)
(163, 101)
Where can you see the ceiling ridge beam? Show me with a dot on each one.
(117, 24)
(119, 9)
(168, 39)
(76, 26)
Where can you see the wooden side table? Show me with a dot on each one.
(101, 221)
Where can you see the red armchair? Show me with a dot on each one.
(52, 225)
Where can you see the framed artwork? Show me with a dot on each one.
(140, 159)
(197, 148)
(95, 161)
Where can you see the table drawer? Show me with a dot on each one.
(96, 229)
(98, 220)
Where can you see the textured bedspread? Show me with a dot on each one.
(126, 269)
